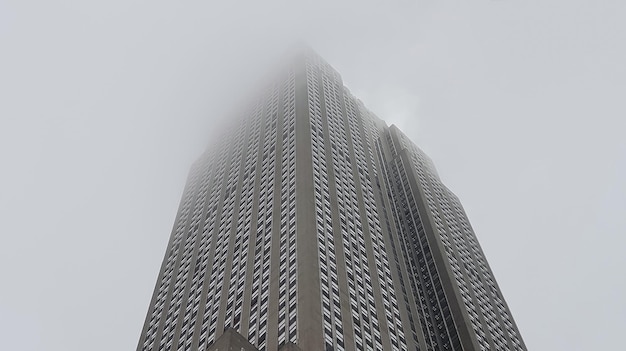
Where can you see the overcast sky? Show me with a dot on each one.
(104, 105)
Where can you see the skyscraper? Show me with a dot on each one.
(312, 222)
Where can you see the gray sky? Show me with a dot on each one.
(105, 104)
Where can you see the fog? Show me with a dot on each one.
(104, 105)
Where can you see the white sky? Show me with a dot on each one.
(105, 104)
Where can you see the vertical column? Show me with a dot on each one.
(309, 299)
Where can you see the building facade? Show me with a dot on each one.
(312, 223)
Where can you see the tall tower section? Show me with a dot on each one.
(310, 225)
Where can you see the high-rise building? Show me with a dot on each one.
(311, 224)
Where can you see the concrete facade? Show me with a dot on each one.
(230, 340)
(312, 225)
